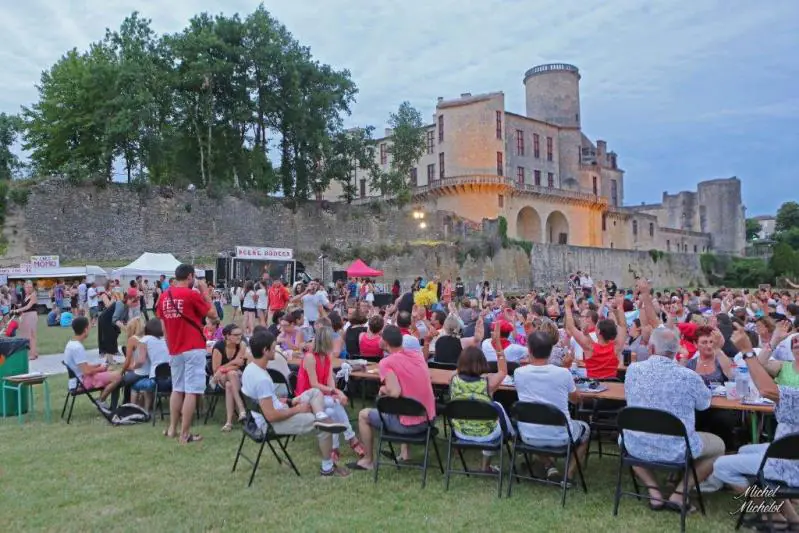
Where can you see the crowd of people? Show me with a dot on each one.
(677, 348)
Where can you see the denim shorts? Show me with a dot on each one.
(393, 424)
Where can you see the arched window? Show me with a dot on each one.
(635, 228)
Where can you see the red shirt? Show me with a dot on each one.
(604, 363)
(322, 374)
(278, 297)
(182, 335)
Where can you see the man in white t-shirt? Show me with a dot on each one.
(93, 302)
(93, 376)
(312, 299)
(513, 352)
(541, 382)
(82, 288)
(297, 416)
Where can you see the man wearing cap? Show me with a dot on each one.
(513, 352)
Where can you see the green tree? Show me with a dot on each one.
(789, 237)
(753, 228)
(10, 126)
(784, 261)
(787, 216)
(406, 147)
(346, 152)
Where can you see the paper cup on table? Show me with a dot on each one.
(732, 392)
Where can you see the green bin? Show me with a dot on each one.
(15, 353)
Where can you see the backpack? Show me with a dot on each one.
(128, 414)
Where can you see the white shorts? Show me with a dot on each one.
(188, 372)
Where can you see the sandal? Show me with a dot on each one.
(167, 435)
(190, 438)
(242, 416)
(227, 428)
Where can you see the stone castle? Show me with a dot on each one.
(549, 180)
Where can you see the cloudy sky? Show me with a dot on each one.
(682, 90)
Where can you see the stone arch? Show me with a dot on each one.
(557, 230)
(528, 225)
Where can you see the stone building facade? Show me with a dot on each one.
(548, 179)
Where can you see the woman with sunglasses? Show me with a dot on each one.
(228, 358)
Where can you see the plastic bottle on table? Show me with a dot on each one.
(742, 383)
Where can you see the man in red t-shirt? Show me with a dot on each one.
(279, 296)
(182, 309)
(601, 356)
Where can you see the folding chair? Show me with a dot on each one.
(658, 422)
(474, 410)
(785, 448)
(543, 414)
(250, 430)
(405, 407)
(211, 393)
(163, 388)
(79, 390)
(279, 379)
(601, 420)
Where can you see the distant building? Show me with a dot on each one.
(768, 224)
(549, 180)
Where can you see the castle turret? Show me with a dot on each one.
(553, 94)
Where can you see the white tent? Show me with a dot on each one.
(150, 265)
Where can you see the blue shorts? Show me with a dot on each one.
(393, 424)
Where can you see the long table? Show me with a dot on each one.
(615, 391)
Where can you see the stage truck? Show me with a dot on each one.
(259, 263)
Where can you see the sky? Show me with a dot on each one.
(682, 91)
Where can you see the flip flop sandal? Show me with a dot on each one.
(227, 428)
(677, 508)
(190, 439)
(355, 466)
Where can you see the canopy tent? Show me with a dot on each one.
(150, 265)
(359, 269)
(89, 271)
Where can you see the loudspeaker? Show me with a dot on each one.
(339, 275)
(382, 299)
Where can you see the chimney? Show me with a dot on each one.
(388, 132)
(601, 148)
(465, 95)
(440, 99)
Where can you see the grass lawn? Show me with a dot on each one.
(52, 340)
(90, 476)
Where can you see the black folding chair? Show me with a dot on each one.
(264, 437)
(602, 420)
(279, 379)
(212, 394)
(79, 390)
(441, 366)
(163, 388)
(785, 448)
(658, 422)
(546, 415)
(472, 410)
(441, 392)
(405, 407)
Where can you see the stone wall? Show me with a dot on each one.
(551, 264)
(86, 223)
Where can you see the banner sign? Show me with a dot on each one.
(252, 252)
(45, 261)
(24, 268)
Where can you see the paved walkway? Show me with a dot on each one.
(51, 364)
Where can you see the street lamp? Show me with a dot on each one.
(422, 225)
(418, 214)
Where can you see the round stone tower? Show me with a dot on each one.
(553, 94)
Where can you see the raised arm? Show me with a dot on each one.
(763, 382)
(571, 328)
(495, 380)
(621, 323)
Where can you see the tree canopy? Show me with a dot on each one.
(753, 228)
(203, 106)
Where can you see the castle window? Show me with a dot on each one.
(383, 154)
(441, 128)
(668, 245)
(596, 186)
(614, 193)
(537, 175)
(363, 188)
(519, 142)
(635, 228)
(604, 222)
(651, 229)
(501, 200)
(431, 141)
(536, 146)
(500, 165)
(550, 180)
(549, 148)
(414, 177)
(695, 249)
(431, 173)
(441, 165)
(520, 175)
(499, 125)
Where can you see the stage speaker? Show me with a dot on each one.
(339, 275)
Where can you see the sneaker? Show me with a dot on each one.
(329, 426)
(711, 484)
(553, 474)
(336, 471)
(104, 407)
